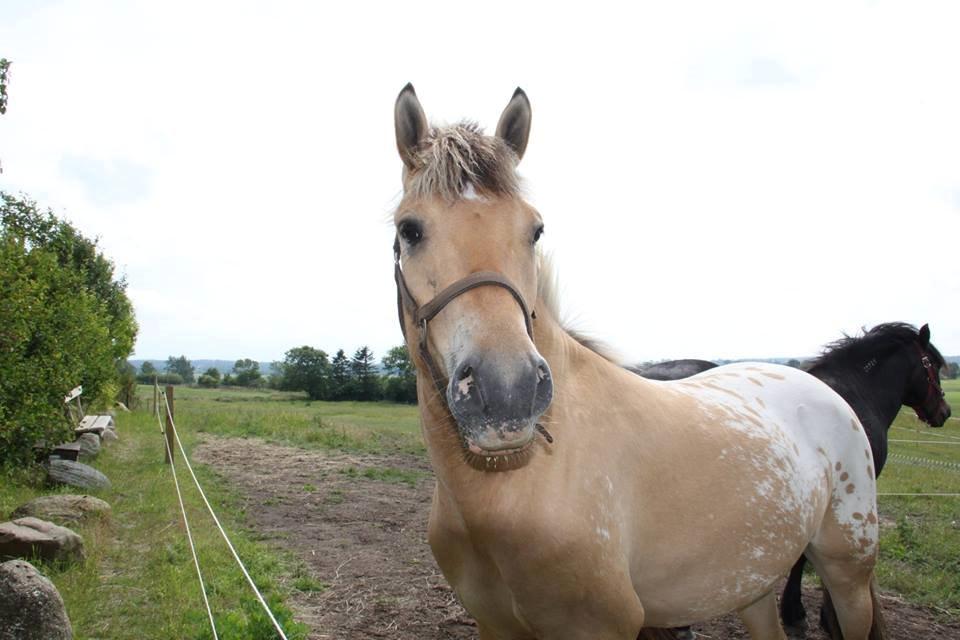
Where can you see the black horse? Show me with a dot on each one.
(890, 365)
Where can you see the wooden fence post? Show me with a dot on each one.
(168, 432)
(156, 392)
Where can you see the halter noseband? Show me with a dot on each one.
(423, 314)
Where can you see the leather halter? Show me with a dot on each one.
(933, 385)
(423, 314)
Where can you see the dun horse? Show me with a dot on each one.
(575, 499)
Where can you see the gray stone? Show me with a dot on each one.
(76, 474)
(108, 435)
(89, 445)
(28, 537)
(63, 509)
(30, 606)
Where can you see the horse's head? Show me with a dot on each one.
(923, 392)
(467, 278)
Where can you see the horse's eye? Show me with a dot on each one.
(537, 234)
(411, 231)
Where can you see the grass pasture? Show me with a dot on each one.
(920, 542)
(138, 580)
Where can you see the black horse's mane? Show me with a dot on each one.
(875, 343)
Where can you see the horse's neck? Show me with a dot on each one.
(571, 364)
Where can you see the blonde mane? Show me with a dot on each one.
(453, 158)
(548, 288)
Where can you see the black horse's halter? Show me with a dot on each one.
(933, 386)
(423, 314)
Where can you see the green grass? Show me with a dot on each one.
(920, 537)
(138, 580)
(388, 474)
(373, 427)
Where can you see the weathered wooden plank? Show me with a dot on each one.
(67, 451)
(76, 391)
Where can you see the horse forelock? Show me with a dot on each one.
(455, 159)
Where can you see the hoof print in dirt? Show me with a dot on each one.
(30, 606)
(29, 537)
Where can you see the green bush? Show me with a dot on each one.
(64, 321)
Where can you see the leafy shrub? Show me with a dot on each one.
(64, 321)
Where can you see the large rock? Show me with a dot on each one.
(30, 606)
(89, 445)
(109, 435)
(28, 537)
(76, 474)
(63, 509)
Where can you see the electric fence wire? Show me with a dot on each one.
(216, 521)
(186, 524)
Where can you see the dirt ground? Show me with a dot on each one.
(361, 530)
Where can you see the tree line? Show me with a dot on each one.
(306, 369)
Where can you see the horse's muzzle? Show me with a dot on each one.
(496, 404)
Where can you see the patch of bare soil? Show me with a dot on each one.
(361, 530)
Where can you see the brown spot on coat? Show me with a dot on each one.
(755, 381)
(869, 470)
(761, 403)
(837, 467)
(775, 376)
(871, 518)
(857, 515)
(844, 476)
(850, 488)
(854, 424)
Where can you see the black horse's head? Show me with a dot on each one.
(924, 393)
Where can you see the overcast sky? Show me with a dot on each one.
(718, 180)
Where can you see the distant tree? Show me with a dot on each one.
(400, 377)
(793, 363)
(246, 373)
(228, 380)
(180, 366)
(953, 371)
(147, 368)
(364, 375)
(340, 382)
(307, 369)
(210, 378)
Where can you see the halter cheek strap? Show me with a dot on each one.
(422, 315)
(933, 386)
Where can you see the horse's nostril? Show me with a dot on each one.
(542, 373)
(466, 372)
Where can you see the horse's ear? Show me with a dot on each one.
(924, 335)
(514, 125)
(410, 123)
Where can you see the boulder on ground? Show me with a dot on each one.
(28, 537)
(63, 509)
(89, 445)
(30, 606)
(109, 435)
(75, 474)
